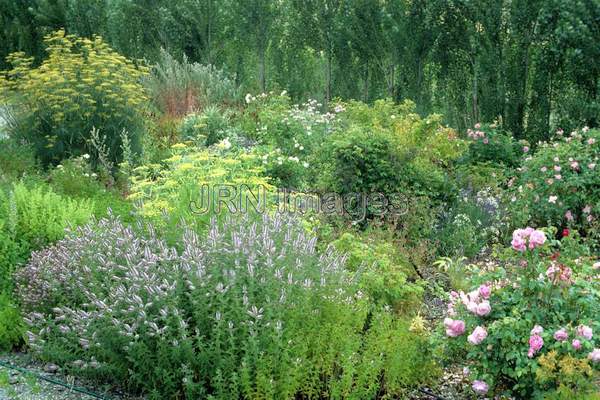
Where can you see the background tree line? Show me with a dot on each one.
(530, 64)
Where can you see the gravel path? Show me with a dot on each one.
(19, 385)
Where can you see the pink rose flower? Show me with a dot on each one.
(477, 125)
(543, 169)
(479, 334)
(454, 327)
(485, 291)
(535, 344)
(594, 355)
(576, 343)
(561, 335)
(585, 332)
(483, 308)
(480, 387)
(591, 141)
(536, 239)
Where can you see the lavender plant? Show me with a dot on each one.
(250, 311)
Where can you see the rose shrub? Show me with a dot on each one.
(531, 326)
(560, 184)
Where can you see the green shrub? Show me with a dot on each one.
(207, 128)
(31, 218)
(74, 178)
(291, 137)
(560, 184)
(471, 223)
(82, 84)
(12, 328)
(489, 144)
(251, 310)
(385, 274)
(388, 149)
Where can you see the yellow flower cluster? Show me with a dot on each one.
(173, 187)
(81, 79)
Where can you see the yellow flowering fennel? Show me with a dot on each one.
(82, 83)
(171, 189)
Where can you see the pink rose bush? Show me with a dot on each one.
(539, 302)
(527, 238)
(554, 186)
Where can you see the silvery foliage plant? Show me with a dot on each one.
(211, 307)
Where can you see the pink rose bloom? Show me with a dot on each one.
(525, 149)
(557, 168)
(591, 141)
(587, 209)
(595, 355)
(477, 125)
(535, 344)
(486, 141)
(592, 165)
(543, 169)
(485, 291)
(558, 177)
(576, 343)
(536, 239)
(537, 330)
(559, 131)
(483, 308)
(478, 335)
(561, 335)
(518, 244)
(585, 332)
(575, 165)
(454, 327)
(480, 387)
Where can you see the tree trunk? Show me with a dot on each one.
(261, 69)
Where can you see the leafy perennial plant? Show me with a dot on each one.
(250, 311)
